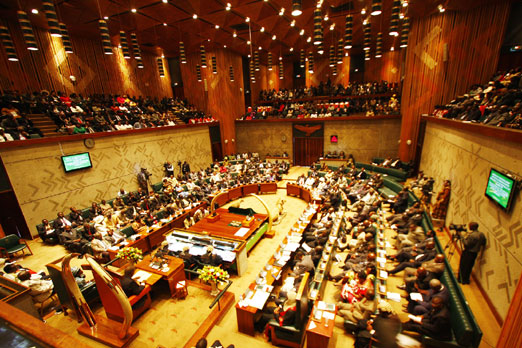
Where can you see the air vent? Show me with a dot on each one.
(342, 8)
(240, 27)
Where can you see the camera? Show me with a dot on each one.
(458, 228)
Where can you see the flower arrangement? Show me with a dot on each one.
(213, 274)
(130, 253)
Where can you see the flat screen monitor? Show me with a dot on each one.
(500, 188)
(76, 162)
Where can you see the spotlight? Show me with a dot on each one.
(363, 11)
(248, 42)
(106, 17)
(260, 48)
(217, 26)
(235, 34)
(274, 37)
(326, 18)
(34, 11)
(247, 19)
(291, 49)
(376, 7)
(195, 16)
(165, 1)
(134, 10)
(164, 24)
(292, 24)
(404, 3)
(301, 32)
(441, 8)
(262, 29)
(309, 39)
(282, 11)
(332, 27)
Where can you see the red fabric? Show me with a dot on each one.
(482, 108)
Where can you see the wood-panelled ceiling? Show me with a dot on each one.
(161, 25)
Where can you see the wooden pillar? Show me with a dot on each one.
(472, 41)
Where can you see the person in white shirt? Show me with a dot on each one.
(40, 289)
(5, 136)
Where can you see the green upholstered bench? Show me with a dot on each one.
(11, 244)
(128, 231)
(157, 187)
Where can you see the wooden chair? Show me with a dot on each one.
(293, 336)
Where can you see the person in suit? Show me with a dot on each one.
(436, 323)
(60, 223)
(47, 232)
(210, 258)
(358, 310)
(88, 231)
(75, 216)
(474, 243)
(72, 240)
(131, 287)
(424, 306)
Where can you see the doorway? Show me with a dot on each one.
(307, 150)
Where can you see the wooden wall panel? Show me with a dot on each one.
(473, 39)
(511, 336)
(388, 68)
(323, 72)
(216, 94)
(269, 79)
(49, 68)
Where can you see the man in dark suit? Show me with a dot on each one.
(47, 232)
(60, 223)
(131, 288)
(210, 258)
(422, 307)
(436, 323)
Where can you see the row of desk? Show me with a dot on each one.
(271, 274)
(244, 190)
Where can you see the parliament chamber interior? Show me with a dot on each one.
(291, 173)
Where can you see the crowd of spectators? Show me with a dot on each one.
(496, 103)
(329, 89)
(14, 125)
(76, 114)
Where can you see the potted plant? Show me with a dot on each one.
(130, 254)
(213, 275)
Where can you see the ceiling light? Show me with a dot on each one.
(332, 27)
(260, 48)
(365, 22)
(441, 8)
(291, 49)
(292, 23)
(262, 29)
(248, 42)
(134, 10)
(224, 46)
(301, 32)
(162, 56)
(326, 18)
(34, 11)
(217, 26)
(404, 3)
(208, 40)
(195, 16)
(363, 11)
(235, 34)
(228, 6)
(247, 19)
(106, 17)
(274, 37)
(165, 1)
(282, 11)
(309, 39)
(392, 49)
(249, 56)
(296, 8)
(376, 7)
(401, 16)
(346, 54)
(165, 24)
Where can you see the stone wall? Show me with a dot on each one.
(466, 159)
(43, 188)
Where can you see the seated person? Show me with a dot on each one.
(354, 290)
(358, 310)
(384, 328)
(210, 258)
(75, 217)
(47, 232)
(41, 289)
(60, 223)
(420, 307)
(284, 313)
(105, 207)
(436, 323)
(100, 248)
(72, 240)
(131, 288)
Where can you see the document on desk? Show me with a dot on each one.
(394, 296)
(328, 315)
(242, 231)
(141, 276)
(292, 247)
(259, 299)
(415, 296)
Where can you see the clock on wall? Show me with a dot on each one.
(283, 138)
(89, 143)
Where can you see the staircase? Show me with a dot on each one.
(44, 123)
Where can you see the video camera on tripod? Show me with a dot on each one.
(456, 237)
(457, 228)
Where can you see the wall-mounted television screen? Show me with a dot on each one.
(76, 162)
(500, 188)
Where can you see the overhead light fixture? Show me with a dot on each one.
(274, 37)
(320, 49)
(348, 32)
(134, 10)
(392, 49)
(195, 16)
(332, 27)
(124, 45)
(367, 55)
(182, 56)
(165, 1)
(395, 15)
(247, 19)
(405, 31)
(441, 8)
(311, 63)
(404, 3)
(105, 37)
(198, 72)
(378, 46)
(340, 51)
(231, 71)
(376, 7)
(367, 37)
(318, 27)
(282, 11)
(106, 17)
(52, 18)
(363, 11)
(281, 75)
(214, 65)
(228, 6)
(269, 63)
(326, 18)
(164, 24)
(34, 11)
(160, 67)
(235, 34)
(216, 26)
(262, 29)
(291, 49)
(260, 48)
(27, 31)
(256, 61)
(203, 56)
(162, 55)
(7, 42)
(292, 23)
(401, 16)
(302, 58)
(224, 46)
(309, 39)
(296, 8)
(66, 41)
(302, 32)
(332, 56)
(248, 42)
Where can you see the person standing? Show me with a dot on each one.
(473, 244)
